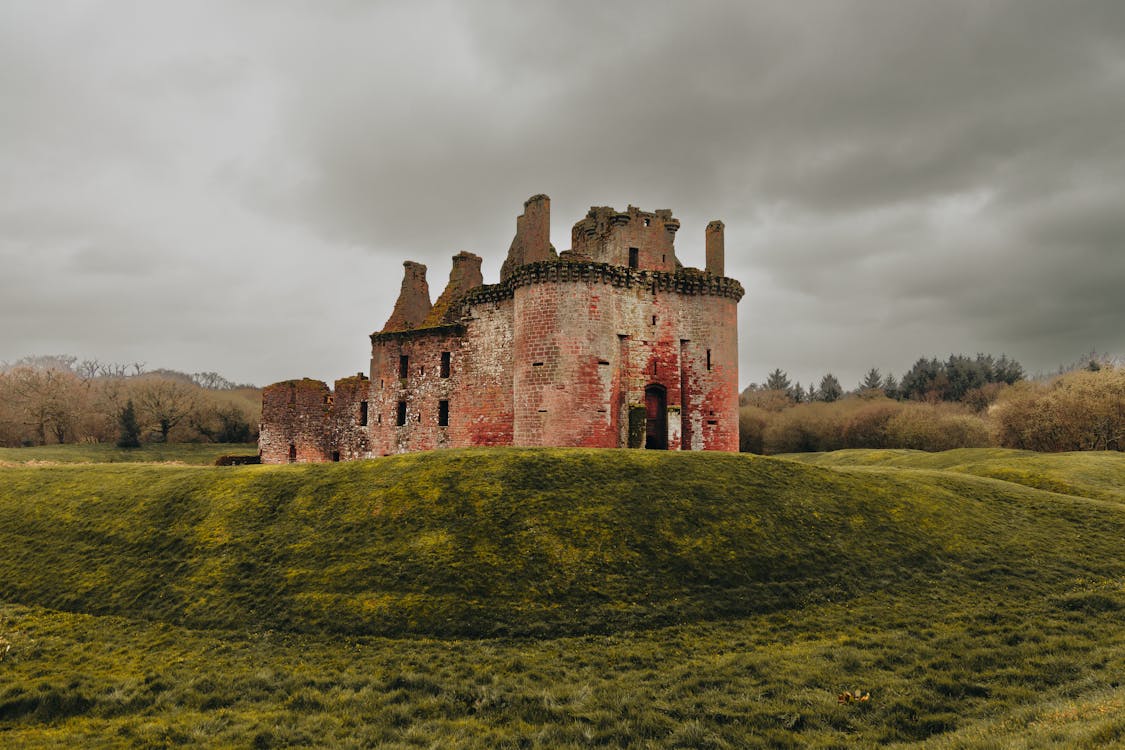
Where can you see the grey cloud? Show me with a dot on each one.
(898, 179)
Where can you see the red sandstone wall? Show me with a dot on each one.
(294, 412)
(565, 365)
(421, 390)
(347, 437)
(585, 349)
(478, 389)
(484, 405)
(710, 416)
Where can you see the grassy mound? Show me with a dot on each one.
(522, 542)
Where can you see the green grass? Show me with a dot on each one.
(1087, 474)
(101, 453)
(550, 598)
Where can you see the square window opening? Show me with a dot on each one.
(445, 361)
(634, 257)
(443, 413)
(403, 365)
(400, 416)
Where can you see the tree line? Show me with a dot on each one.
(61, 399)
(959, 402)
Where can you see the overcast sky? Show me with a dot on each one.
(233, 186)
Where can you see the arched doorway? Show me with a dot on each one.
(656, 417)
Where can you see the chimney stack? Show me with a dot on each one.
(715, 251)
(413, 303)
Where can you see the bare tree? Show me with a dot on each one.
(51, 400)
(164, 403)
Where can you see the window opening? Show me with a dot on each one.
(443, 413)
(292, 453)
(445, 364)
(634, 257)
(400, 417)
(403, 365)
(708, 359)
(335, 455)
(362, 413)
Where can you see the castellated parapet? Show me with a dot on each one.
(611, 344)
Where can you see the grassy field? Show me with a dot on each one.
(1088, 474)
(103, 453)
(551, 598)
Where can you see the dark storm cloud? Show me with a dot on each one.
(897, 179)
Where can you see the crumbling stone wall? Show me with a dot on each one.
(610, 344)
(304, 421)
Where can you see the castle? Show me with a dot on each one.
(611, 344)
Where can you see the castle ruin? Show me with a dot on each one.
(611, 344)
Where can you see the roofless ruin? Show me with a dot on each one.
(611, 344)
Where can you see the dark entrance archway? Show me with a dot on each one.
(656, 417)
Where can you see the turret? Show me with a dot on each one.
(715, 251)
(633, 238)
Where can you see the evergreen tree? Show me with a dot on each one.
(890, 386)
(778, 381)
(830, 389)
(871, 381)
(129, 435)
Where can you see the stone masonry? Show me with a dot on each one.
(611, 344)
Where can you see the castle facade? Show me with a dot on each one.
(611, 344)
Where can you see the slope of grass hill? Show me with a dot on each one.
(564, 599)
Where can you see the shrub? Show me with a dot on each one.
(930, 427)
(1082, 410)
(868, 426)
